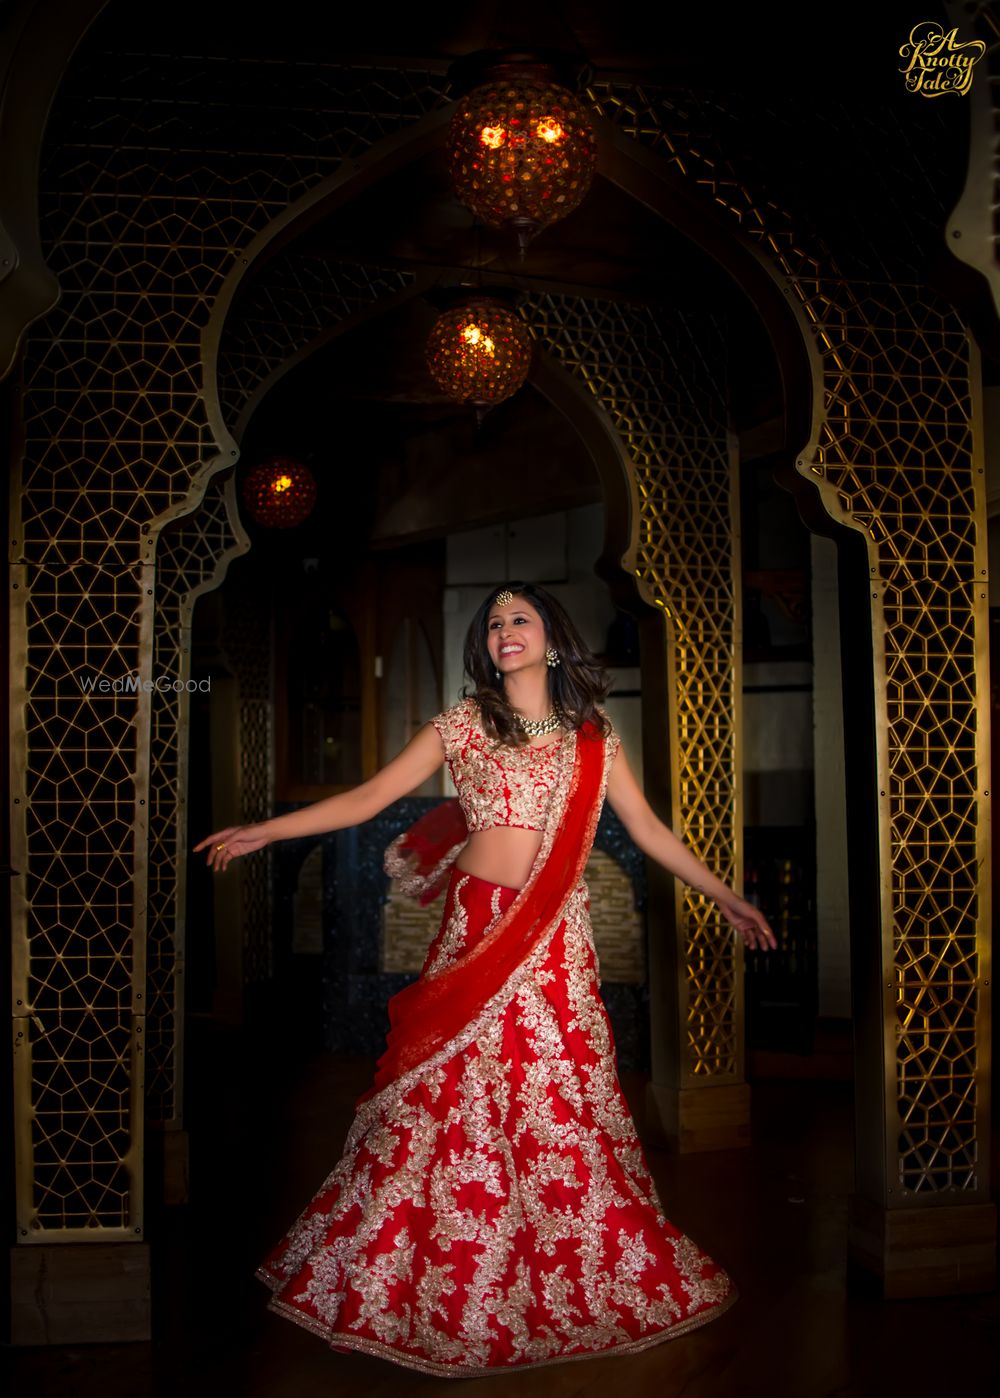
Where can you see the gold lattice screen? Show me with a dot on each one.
(118, 447)
(672, 423)
(900, 454)
(119, 440)
(192, 555)
(897, 456)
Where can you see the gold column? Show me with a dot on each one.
(900, 459)
(119, 444)
(896, 457)
(659, 378)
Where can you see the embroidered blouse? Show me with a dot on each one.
(496, 784)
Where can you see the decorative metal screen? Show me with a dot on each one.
(297, 304)
(160, 172)
(660, 379)
(192, 555)
(897, 456)
(900, 458)
(118, 442)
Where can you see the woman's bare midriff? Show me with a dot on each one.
(503, 855)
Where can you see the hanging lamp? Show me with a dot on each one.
(479, 351)
(521, 147)
(280, 492)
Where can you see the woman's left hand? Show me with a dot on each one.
(749, 922)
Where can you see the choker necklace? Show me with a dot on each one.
(538, 727)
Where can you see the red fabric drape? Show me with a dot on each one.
(431, 1012)
(425, 845)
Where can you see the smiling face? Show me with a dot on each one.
(515, 636)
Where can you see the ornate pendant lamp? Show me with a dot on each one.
(521, 148)
(280, 493)
(479, 352)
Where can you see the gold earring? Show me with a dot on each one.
(551, 657)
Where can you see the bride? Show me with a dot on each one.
(493, 1209)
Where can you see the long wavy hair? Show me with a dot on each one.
(577, 685)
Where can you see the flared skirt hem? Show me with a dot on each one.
(337, 1339)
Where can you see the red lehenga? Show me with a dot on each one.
(493, 1208)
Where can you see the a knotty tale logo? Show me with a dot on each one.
(937, 62)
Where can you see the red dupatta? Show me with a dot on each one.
(420, 859)
(427, 1015)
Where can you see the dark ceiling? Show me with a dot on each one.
(851, 44)
(810, 96)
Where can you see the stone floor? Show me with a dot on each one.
(267, 1126)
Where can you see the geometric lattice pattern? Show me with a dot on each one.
(654, 377)
(84, 1160)
(142, 220)
(671, 416)
(300, 301)
(192, 555)
(897, 458)
(897, 448)
(76, 837)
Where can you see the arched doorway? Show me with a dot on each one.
(67, 518)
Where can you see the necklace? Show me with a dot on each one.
(538, 727)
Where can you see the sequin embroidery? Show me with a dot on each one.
(496, 784)
(493, 1208)
(499, 1211)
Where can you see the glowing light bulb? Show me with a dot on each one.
(492, 137)
(473, 335)
(548, 129)
(282, 483)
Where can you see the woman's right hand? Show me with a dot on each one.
(231, 843)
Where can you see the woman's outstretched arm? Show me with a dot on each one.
(660, 843)
(420, 759)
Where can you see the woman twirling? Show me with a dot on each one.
(493, 1208)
